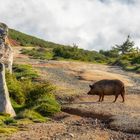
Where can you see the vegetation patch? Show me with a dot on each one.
(8, 130)
(25, 72)
(125, 55)
(5, 119)
(39, 53)
(33, 101)
(28, 40)
(32, 115)
(28, 94)
(78, 54)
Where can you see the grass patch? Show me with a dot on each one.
(32, 115)
(6, 119)
(24, 121)
(8, 130)
(39, 53)
(25, 72)
(31, 99)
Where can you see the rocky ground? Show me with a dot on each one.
(84, 117)
(64, 126)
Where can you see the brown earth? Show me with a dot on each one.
(85, 118)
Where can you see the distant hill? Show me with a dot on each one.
(27, 40)
(57, 50)
(49, 50)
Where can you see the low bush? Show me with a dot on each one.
(40, 53)
(76, 53)
(136, 60)
(121, 63)
(8, 130)
(47, 105)
(5, 119)
(15, 88)
(32, 115)
(38, 91)
(30, 99)
(25, 72)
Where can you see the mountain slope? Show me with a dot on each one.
(26, 40)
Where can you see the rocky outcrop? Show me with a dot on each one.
(6, 61)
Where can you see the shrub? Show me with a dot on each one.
(39, 90)
(121, 63)
(25, 72)
(32, 115)
(136, 60)
(15, 88)
(5, 119)
(8, 130)
(40, 53)
(47, 105)
(27, 96)
(10, 121)
(75, 53)
(42, 100)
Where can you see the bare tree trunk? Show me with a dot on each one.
(5, 103)
(9, 54)
(6, 60)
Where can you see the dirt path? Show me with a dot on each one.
(90, 119)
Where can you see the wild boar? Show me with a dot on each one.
(107, 87)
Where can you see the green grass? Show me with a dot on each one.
(25, 72)
(8, 130)
(27, 94)
(28, 40)
(32, 115)
(40, 53)
(5, 119)
(32, 101)
(46, 50)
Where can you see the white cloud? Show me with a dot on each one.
(91, 24)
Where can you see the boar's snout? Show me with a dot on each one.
(90, 92)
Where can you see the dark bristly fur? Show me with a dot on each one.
(107, 87)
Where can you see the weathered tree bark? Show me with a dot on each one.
(6, 60)
(9, 55)
(5, 103)
(6, 51)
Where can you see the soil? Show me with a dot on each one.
(82, 117)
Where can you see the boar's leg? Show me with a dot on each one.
(102, 98)
(122, 97)
(99, 98)
(116, 96)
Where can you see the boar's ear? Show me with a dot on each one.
(90, 86)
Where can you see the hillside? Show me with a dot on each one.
(50, 50)
(82, 117)
(28, 40)
(48, 90)
(125, 55)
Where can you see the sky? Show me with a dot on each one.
(91, 24)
